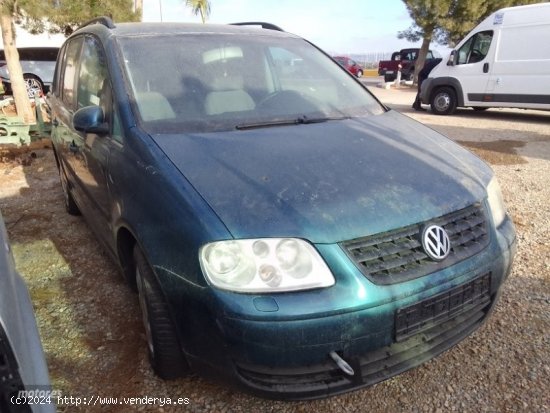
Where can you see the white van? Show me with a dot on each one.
(503, 62)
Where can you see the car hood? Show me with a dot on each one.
(328, 182)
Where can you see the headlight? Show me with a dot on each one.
(494, 196)
(264, 265)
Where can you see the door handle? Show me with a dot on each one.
(486, 68)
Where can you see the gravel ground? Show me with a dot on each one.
(95, 346)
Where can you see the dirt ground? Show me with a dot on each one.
(90, 324)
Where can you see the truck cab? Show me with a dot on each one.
(406, 58)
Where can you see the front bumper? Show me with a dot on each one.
(279, 346)
(370, 367)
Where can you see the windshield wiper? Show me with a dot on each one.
(302, 120)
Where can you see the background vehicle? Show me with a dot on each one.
(38, 64)
(406, 58)
(503, 62)
(282, 227)
(351, 65)
(22, 363)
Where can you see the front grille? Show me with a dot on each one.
(398, 255)
(437, 309)
(327, 379)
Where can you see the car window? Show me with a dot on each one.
(58, 74)
(92, 75)
(476, 48)
(209, 82)
(38, 54)
(94, 86)
(70, 66)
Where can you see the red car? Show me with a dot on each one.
(350, 65)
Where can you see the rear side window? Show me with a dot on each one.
(57, 77)
(38, 54)
(69, 67)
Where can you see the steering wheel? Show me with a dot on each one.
(279, 98)
(475, 56)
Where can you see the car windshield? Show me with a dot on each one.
(212, 82)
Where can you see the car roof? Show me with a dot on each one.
(152, 29)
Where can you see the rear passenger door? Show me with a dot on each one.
(63, 103)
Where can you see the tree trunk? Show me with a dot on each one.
(422, 56)
(22, 102)
(138, 8)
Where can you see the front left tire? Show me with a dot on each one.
(389, 78)
(443, 101)
(165, 354)
(70, 205)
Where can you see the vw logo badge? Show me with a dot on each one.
(436, 242)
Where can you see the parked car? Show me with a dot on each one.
(22, 363)
(284, 230)
(38, 64)
(350, 65)
(406, 58)
(500, 63)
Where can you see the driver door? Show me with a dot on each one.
(90, 152)
(472, 67)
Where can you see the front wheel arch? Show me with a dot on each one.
(125, 242)
(165, 352)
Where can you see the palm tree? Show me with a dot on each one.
(200, 6)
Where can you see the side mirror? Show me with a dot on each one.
(90, 119)
(452, 57)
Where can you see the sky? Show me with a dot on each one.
(346, 27)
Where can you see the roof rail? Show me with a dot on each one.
(104, 20)
(264, 25)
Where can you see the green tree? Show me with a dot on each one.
(201, 7)
(447, 21)
(426, 15)
(65, 16)
(54, 16)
